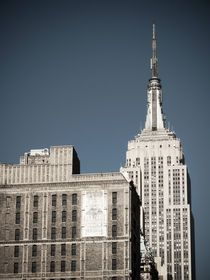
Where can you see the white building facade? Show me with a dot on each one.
(155, 162)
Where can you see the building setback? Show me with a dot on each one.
(155, 162)
(58, 224)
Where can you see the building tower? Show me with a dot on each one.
(155, 163)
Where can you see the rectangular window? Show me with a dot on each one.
(114, 214)
(16, 251)
(35, 217)
(63, 216)
(18, 202)
(36, 200)
(74, 199)
(114, 247)
(64, 199)
(54, 198)
(34, 251)
(16, 267)
(74, 215)
(17, 234)
(53, 216)
(63, 266)
(34, 233)
(114, 264)
(137, 161)
(52, 266)
(114, 230)
(17, 218)
(52, 250)
(53, 233)
(73, 265)
(73, 249)
(114, 197)
(74, 232)
(63, 249)
(33, 267)
(8, 201)
(63, 234)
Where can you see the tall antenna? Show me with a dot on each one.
(154, 58)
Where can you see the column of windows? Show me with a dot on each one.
(146, 196)
(161, 206)
(74, 200)
(114, 229)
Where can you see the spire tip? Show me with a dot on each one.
(153, 31)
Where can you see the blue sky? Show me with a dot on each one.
(76, 72)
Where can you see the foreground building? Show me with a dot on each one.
(155, 162)
(58, 224)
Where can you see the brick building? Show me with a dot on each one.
(58, 224)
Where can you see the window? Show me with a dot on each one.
(17, 234)
(114, 247)
(18, 202)
(63, 233)
(63, 266)
(63, 216)
(64, 199)
(35, 217)
(33, 267)
(17, 218)
(114, 214)
(74, 232)
(114, 278)
(53, 216)
(63, 249)
(15, 267)
(34, 251)
(52, 266)
(52, 251)
(53, 233)
(73, 265)
(114, 197)
(73, 249)
(114, 264)
(74, 215)
(8, 201)
(36, 199)
(114, 230)
(16, 251)
(74, 199)
(54, 198)
(34, 233)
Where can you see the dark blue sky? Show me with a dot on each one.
(76, 72)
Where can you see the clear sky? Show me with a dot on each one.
(76, 72)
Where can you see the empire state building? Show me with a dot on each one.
(155, 162)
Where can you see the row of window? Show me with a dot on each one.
(64, 216)
(52, 250)
(63, 250)
(52, 266)
(54, 200)
(53, 233)
(63, 233)
(64, 199)
(62, 266)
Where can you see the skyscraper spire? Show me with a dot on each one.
(154, 119)
(154, 58)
